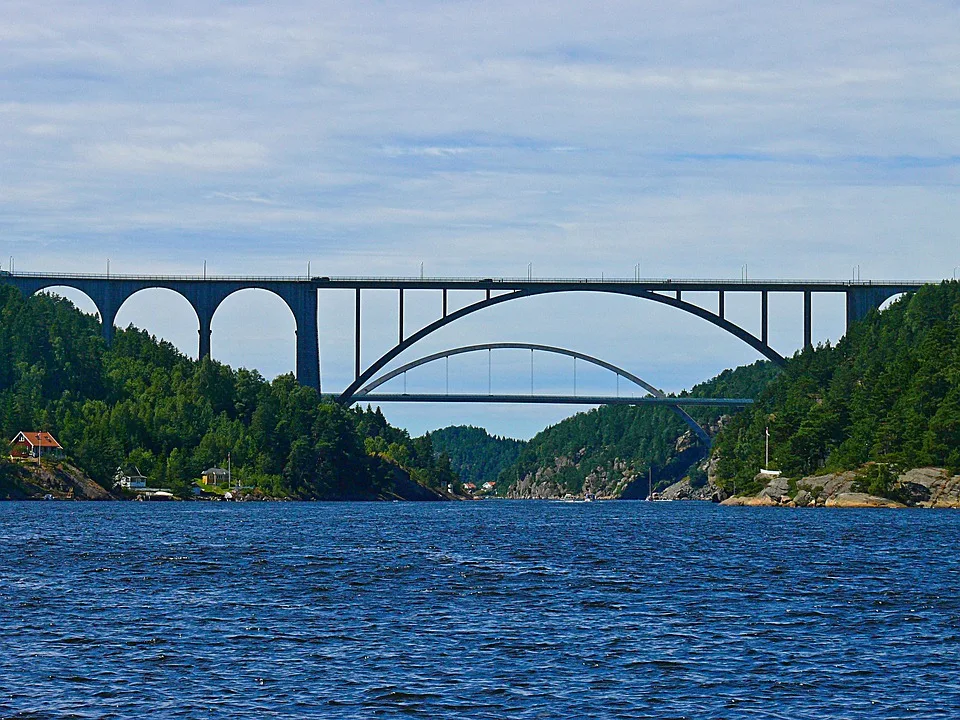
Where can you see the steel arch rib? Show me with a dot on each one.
(693, 424)
(509, 346)
(755, 342)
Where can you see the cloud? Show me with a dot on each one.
(215, 156)
(692, 137)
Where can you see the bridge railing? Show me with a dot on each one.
(603, 280)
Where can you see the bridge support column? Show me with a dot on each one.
(107, 328)
(807, 319)
(304, 308)
(764, 317)
(720, 304)
(205, 333)
(108, 297)
(356, 355)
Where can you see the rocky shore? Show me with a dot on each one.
(58, 481)
(928, 487)
(65, 481)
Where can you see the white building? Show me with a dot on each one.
(131, 480)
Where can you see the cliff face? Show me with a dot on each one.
(624, 478)
(62, 481)
(563, 478)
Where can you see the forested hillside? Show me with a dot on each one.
(888, 392)
(606, 449)
(141, 402)
(475, 455)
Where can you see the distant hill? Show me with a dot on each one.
(609, 451)
(475, 455)
(888, 392)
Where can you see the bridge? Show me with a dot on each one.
(205, 293)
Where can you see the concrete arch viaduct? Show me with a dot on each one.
(205, 294)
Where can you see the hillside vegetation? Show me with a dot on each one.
(888, 393)
(475, 455)
(141, 402)
(609, 450)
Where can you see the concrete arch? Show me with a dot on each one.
(693, 424)
(237, 290)
(713, 318)
(155, 293)
(891, 300)
(53, 290)
(262, 319)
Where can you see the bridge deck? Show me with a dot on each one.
(493, 283)
(550, 399)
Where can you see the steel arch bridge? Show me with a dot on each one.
(656, 396)
(206, 293)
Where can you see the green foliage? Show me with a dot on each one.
(143, 403)
(477, 456)
(643, 438)
(878, 479)
(698, 477)
(888, 392)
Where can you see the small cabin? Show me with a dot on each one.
(130, 479)
(214, 476)
(35, 444)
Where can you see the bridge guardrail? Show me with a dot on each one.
(679, 282)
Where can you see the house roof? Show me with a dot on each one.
(43, 439)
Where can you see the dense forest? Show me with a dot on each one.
(142, 403)
(611, 444)
(475, 455)
(888, 393)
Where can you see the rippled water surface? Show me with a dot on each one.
(477, 610)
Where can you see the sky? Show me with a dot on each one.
(690, 139)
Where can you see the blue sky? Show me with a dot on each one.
(476, 138)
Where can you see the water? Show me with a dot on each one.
(477, 610)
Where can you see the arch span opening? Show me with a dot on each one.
(255, 328)
(79, 299)
(165, 314)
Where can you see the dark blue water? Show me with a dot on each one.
(477, 610)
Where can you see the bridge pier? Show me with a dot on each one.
(764, 317)
(205, 332)
(303, 302)
(108, 297)
(861, 300)
(807, 319)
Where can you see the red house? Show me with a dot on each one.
(28, 444)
